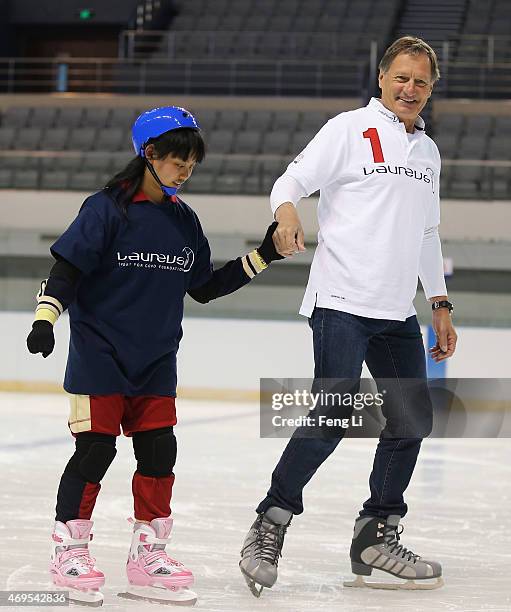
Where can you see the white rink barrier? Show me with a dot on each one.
(224, 358)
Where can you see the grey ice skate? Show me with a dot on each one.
(263, 547)
(375, 545)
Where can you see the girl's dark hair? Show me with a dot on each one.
(182, 143)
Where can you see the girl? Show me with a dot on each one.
(123, 268)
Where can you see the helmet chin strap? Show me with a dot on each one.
(167, 190)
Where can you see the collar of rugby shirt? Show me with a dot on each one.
(140, 196)
(377, 105)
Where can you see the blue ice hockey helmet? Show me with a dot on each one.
(155, 122)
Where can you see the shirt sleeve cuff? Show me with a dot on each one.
(431, 269)
(286, 189)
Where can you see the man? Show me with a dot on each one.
(378, 176)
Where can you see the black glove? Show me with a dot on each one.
(267, 249)
(41, 338)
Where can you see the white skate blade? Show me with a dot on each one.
(406, 585)
(179, 596)
(93, 598)
(256, 592)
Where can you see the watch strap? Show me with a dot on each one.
(442, 304)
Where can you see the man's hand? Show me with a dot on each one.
(446, 336)
(41, 338)
(288, 236)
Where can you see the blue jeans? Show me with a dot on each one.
(342, 342)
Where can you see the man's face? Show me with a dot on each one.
(406, 86)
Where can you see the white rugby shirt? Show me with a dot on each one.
(378, 212)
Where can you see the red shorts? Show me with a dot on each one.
(108, 413)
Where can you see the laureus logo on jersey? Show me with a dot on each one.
(160, 261)
(426, 177)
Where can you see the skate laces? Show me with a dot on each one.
(81, 556)
(391, 536)
(160, 555)
(269, 542)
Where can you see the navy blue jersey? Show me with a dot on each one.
(126, 318)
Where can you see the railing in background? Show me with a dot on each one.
(487, 48)
(235, 77)
(475, 80)
(284, 77)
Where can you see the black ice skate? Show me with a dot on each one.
(263, 547)
(375, 545)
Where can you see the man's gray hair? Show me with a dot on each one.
(412, 46)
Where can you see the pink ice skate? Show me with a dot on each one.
(71, 566)
(152, 574)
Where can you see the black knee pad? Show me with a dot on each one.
(155, 451)
(93, 455)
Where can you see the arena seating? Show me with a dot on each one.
(280, 28)
(247, 150)
(81, 148)
(486, 18)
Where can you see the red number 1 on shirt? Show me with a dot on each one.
(372, 134)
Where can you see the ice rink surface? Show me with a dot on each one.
(459, 513)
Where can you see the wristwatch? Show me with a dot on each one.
(442, 304)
